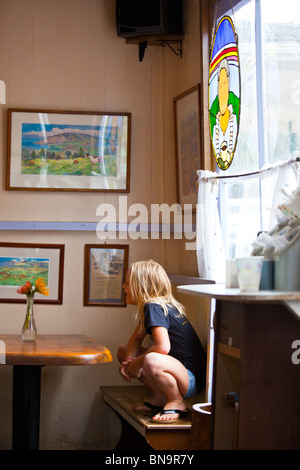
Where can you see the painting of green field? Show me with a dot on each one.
(80, 166)
(56, 149)
(16, 271)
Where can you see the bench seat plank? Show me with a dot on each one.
(160, 436)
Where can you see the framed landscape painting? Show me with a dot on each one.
(22, 262)
(189, 159)
(68, 151)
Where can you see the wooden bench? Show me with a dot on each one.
(139, 432)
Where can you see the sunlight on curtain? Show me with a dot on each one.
(210, 251)
(276, 181)
(267, 188)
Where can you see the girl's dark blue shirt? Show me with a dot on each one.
(185, 343)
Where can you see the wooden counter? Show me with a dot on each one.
(290, 299)
(256, 379)
(220, 292)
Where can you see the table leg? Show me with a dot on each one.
(26, 407)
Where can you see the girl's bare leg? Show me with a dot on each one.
(168, 377)
(157, 397)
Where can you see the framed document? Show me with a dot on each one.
(105, 269)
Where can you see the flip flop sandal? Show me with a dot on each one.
(150, 406)
(181, 414)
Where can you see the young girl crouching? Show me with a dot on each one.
(174, 366)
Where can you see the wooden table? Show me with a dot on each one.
(27, 360)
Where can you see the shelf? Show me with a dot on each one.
(155, 40)
(187, 280)
(144, 41)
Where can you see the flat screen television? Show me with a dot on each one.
(136, 18)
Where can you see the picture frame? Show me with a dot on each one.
(68, 151)
(188, 139)
(105, 269)
(21, 262)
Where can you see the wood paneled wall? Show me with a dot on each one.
(66, 55)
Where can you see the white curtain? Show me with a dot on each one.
(276, 182)
(272, 183)
(210, 251)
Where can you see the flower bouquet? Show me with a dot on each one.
(29, 328)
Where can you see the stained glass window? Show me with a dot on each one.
(224, 93)
(268, 34)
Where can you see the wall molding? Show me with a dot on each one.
(94, 226)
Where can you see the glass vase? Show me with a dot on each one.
(29, 328)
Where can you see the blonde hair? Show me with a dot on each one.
(149, 283)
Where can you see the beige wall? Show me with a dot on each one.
(65, 55)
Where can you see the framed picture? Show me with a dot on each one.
(187, 107)
(68, 151)
(21, 262)
(105, 269)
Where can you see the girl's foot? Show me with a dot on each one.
(171, 412)
(147, 406)
(155, 403)
(168, 416)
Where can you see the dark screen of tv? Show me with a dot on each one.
(136, 18)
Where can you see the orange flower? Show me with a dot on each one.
(40, 286)
(26, 289)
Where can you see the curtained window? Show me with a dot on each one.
(235, 204)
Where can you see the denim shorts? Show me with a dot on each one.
(192, 389)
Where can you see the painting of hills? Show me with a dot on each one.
(69, 149)
(16, 271)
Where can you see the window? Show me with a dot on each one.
(269, 49)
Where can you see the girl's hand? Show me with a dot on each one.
(134, 369)
(123, 369)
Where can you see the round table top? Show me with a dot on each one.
(52, 350)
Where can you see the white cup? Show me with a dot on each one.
(249, 272)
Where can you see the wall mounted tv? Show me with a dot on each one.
(137, 18)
